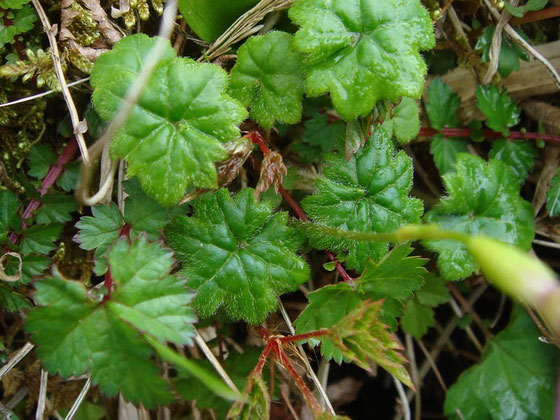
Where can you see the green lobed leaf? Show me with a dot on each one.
(510, 52)
(55, 208)
(434, 292)
(362, 51)
(321, 132)
(397, 276)
(445, 151)
(327, 306)
(41, 158)
(518, 155)
(442, 105)
(405, 124)
(103, 337)
(417, 318)
(268, 78)
(501, 112)
(12, 301)
(13, 4)
(553, 197)
(32, 266)
(237, 254)
(513, 380)
(367, 194)
(483, 198)
(9, 213)
(39, 239)
(101, 229)
(69, 178)
(176, 131)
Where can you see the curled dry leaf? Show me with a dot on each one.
(272, 172)
(14, 277)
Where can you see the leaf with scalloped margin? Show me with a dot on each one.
(268, 78)
(237, 254)
(518, 155)
(370, 193)
(103, 338)
(362, 51)
(175, 133)
(483, 198)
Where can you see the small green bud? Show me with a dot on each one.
(519, 275)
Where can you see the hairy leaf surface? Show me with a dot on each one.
(483, 198)
(362, 51)
(518, 155)
(237, 254)
(445, 151)
(367, 194)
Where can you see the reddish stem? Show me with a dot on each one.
(108, 283)
(219, 337)
(309, 397)
(125, 231)
(258, 139)
(48, 181)
(306, 336)
(489, 134)
(536, 16)
(257, 370)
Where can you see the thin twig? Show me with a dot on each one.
(80, 127)
(310, 370)
(214, 361)
(432, 364)
(546, 243)
(42, 395)
(16, 358)
(518, 39)
(79, 400)
(40, 95)
(471, 310)
(402, 397)
(415, 379)
(468, 329)
(132, 96)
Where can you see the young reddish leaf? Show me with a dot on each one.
(362, 338)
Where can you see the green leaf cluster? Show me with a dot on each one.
(104, 337)
(237, 254)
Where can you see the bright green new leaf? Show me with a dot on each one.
(510, 52)
(24, 20)
(39, 239)
(367, 194)
(237, 254)
(483, 198)
(56, 208)
(176, 131)
(442, 105)
(396, 276)
(363, 338)
(99, 231)
(268, 78)
(327, 306)
(405, 124)
(497, 106)
(445, 151)
(103, 337)
(417, 318)
(13, 4)
(9, 213)
(362, 51)
(515, 379)
(41, 158)
(321, 132)
(518, 155)
(553, 197)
